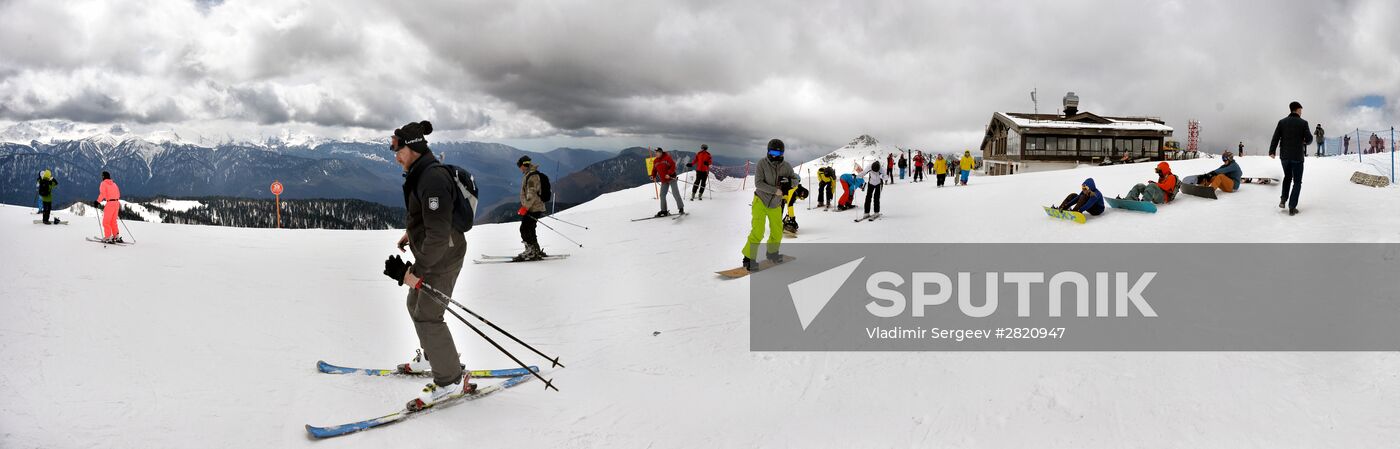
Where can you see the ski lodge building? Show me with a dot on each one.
(1016, 142)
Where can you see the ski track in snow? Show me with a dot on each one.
(208, 336)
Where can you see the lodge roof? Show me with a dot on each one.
(1081, 120)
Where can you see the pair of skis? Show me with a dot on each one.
(513, 376)
(871, 217)
(109, 242)
(673, 217)
(511, 259)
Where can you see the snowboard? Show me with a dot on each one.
(1067, 215)
(55, 222)
(1369, 180)
(1141, 206)
(1201, 191)
(1261, 181)
(736, 273)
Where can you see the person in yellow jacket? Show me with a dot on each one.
(966, 164)
(795, 194)
(826, 186)
(940, 168)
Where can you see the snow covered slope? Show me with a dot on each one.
(208, 336)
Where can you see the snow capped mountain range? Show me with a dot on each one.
(53, 131)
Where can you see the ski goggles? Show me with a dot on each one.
(775, 153)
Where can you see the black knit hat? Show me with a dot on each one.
(106, 175)
(411, 136)
(776, 144)
(523, 161)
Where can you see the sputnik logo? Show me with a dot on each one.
(811, 295)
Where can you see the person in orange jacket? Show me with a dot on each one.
(1160, 191)
(109, 200)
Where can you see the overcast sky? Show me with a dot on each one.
(608, 74)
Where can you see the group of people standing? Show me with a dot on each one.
(108, 201)
(919, 165)
(661, 167)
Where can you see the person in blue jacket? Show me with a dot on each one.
(1226, 178)
(849, 184)
(1089, 200)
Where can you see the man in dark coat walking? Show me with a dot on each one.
(1290, 145)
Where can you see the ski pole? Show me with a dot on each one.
(556, 231)
(445, 300)
(554, 360)
(128, 230)
(567, 223)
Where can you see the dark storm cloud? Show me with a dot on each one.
(260, 104)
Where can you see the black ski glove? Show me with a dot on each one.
(395, 268)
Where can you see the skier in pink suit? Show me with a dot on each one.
(109, 198)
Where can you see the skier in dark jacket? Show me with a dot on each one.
(1089, 200)
(1290, 144)
(438, 250)
(531, 209)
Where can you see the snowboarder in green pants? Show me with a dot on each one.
(772, 180)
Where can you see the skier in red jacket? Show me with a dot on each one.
(664, 172)
(702, 172)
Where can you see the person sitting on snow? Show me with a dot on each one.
(1226, 178)
(1160, 191)
(1089, 200)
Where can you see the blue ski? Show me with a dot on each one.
(477, 374)
(344, 429)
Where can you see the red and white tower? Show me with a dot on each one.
(1193, 135)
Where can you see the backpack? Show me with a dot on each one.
(464, 200)
(545, 193)
(44, 187)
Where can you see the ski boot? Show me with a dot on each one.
(750, 265)
(663, 213)
(418, 365)
(434, 393)
(775, 258)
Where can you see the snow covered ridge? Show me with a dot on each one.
(55, 131)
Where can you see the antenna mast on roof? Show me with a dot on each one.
(1034, 102)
